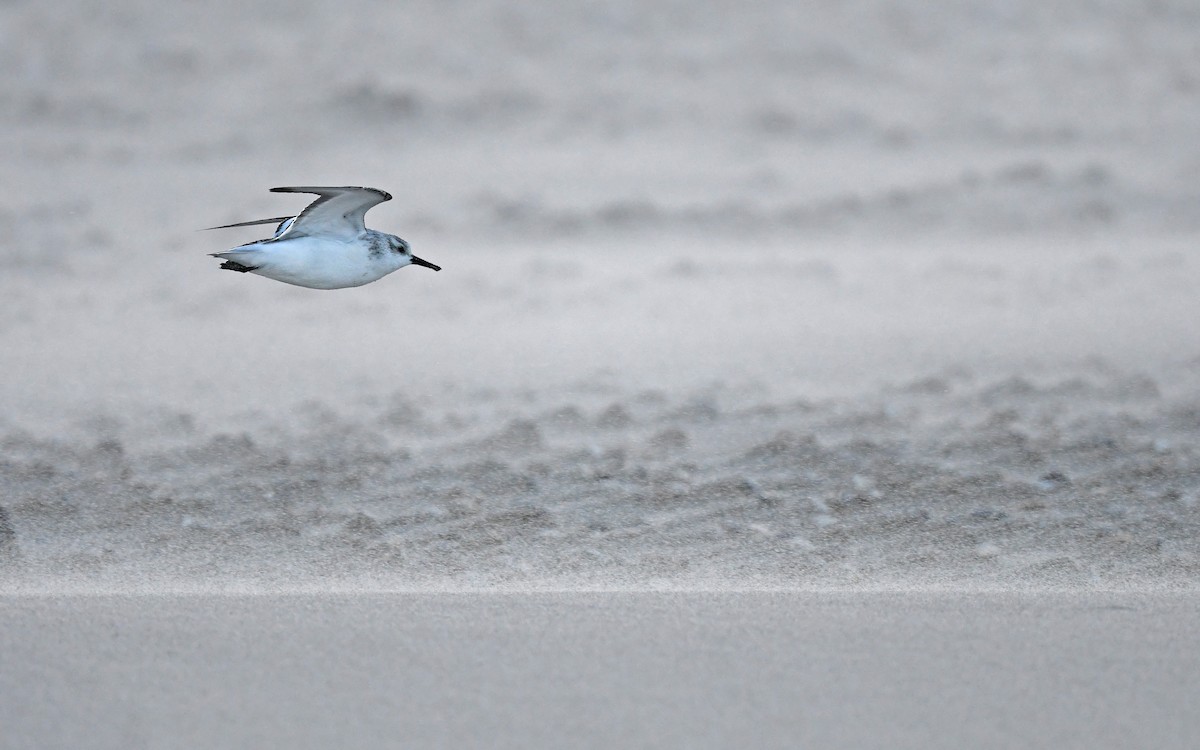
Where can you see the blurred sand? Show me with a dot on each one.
(578, 669)
(859, 295)
(855, 296)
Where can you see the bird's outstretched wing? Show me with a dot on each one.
(277, 219)
(338, 212)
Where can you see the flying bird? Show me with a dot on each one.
(327, 246)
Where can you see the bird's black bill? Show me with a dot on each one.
(418, 262)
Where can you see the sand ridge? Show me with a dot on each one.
(856, 296)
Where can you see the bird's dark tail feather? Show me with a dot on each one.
(233, 265)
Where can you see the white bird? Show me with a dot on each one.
(327, 246)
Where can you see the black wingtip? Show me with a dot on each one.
(256, 222)
(320, 190)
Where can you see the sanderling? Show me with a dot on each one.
(327, 246)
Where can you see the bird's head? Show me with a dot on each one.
(401, 248)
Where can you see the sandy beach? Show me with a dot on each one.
(580, 669)
(887, 311)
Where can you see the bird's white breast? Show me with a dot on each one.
(321, 263)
